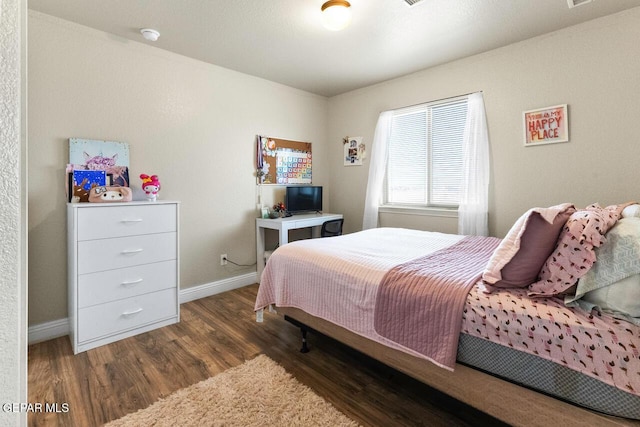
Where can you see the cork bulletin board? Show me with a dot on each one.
(282, 161)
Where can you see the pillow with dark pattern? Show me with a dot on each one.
(574, 253)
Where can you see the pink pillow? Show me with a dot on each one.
(516, 263)
(574, 254)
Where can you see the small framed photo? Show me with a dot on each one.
(265, 212)
(547, 125)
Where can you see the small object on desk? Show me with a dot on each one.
(279, 209)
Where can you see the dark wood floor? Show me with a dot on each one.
(214, 334)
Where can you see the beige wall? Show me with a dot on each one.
(191, 123)
(591, 67)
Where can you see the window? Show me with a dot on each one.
(424, 161)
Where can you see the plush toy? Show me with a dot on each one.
(104, 194)
(151, 186)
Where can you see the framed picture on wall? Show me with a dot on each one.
(547, 125)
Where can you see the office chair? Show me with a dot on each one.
(332, 228)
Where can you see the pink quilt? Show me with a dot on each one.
(420, 303)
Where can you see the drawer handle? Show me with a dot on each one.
(131, 313)
(131, 282)
(132, 220)
(131, 251)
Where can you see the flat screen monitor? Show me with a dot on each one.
(303, 198)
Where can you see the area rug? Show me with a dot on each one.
(257, 393)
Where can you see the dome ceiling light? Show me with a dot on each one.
(336, 14)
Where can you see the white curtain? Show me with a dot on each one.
(474, 193)
(377, 166)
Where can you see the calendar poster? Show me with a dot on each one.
(283, 162)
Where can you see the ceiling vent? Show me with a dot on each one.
(414, 2)
(574, 3)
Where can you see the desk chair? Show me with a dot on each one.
(332, 228)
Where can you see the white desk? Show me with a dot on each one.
(283, 225)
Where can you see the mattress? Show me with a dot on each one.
(598, 346)
(546, 377)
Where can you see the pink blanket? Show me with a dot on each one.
(419, 303)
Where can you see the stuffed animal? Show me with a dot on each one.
(80, 193)
(104, 194)
(151, 186)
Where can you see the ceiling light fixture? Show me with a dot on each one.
(150, 34)
(336, 14)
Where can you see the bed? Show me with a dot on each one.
(511, 350)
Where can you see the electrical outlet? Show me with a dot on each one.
(223, 259)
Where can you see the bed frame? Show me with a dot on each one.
(508, 402)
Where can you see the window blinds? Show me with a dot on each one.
(424, 166)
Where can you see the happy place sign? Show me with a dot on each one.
(546, 125)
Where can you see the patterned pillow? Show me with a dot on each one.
(517, 261)
(574, 254)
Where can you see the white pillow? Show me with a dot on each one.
(631, 211)
(620, 297)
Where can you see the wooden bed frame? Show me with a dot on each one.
(511, 403)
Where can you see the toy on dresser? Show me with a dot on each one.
(151, 186)
(109, 194)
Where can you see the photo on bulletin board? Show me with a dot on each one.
(282, 162)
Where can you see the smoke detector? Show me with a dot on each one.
(150, 34)
(412, 2)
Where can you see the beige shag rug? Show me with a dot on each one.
(257, 393)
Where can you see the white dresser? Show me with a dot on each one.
(124, 268)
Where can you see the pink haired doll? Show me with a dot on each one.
(151, 186)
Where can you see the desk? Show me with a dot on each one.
(283, 225)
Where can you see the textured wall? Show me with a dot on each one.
(587, 66)
(12, 331)
(193, 124)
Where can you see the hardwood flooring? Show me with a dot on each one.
(214, 334)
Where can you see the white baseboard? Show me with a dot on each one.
(48, 330)
(59, 328)
(208, 289)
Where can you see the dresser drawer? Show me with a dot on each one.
(112, 285)
(118, 316)
(107, 254)
(119, 221)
